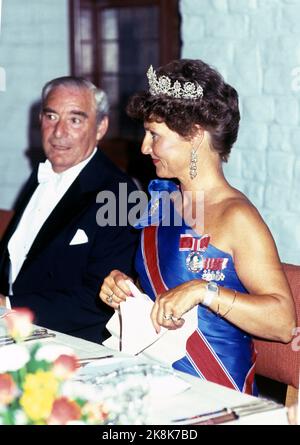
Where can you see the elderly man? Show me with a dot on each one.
(54, 255)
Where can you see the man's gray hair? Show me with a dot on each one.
(102, 106)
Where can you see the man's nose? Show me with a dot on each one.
(60, 129)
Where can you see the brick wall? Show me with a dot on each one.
(255, 44)
(34, 48)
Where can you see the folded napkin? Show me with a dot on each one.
(138, 335)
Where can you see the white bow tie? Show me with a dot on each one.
(46, 173)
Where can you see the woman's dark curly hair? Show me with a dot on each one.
(216, 112)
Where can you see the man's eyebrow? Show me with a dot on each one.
(75, 112)
(48, 110)
(79, 113)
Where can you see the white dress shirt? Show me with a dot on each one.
(52, 186)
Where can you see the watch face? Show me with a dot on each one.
(212, 286)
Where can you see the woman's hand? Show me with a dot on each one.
(171, 305)
(114, 290)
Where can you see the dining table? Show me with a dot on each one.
(179, 399)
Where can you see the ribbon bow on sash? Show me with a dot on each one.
(188, 242)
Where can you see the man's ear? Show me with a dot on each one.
(102, 128)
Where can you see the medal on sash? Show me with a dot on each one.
(194, 261)
(211, 268)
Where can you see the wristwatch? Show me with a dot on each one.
(212, 291)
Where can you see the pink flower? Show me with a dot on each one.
(95, 412)
(64, 411)
(19, 323)
(8, 389)
(64, 366)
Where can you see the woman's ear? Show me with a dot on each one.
(199, 129)
(198, 136)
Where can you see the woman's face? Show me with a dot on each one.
(170, 153)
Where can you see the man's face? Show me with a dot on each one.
(69, 128)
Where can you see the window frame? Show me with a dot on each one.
(169, 26)
(123, 150)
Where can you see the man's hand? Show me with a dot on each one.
(2, 300)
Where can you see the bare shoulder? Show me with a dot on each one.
(238, 210)
(242, 219)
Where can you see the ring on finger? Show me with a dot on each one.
(109, 299)
(167, 316)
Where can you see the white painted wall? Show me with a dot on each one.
(34, 48)
(255, 44)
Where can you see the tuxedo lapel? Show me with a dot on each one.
(94, 177)
(80, 195)
(72, 204)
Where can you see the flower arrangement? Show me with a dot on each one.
(35, 385)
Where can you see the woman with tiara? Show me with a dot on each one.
(224, 259)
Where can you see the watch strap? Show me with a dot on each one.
(210, 295)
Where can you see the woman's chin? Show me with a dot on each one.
(163, 174)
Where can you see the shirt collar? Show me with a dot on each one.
(46, 172)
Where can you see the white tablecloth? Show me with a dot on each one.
(202, 396)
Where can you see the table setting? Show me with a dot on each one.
(96, 384)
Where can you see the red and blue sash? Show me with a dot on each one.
(200, 352)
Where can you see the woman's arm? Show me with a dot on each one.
(268, 310)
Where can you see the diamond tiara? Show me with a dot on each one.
(163, 85)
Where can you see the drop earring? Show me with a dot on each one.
(193, 163)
